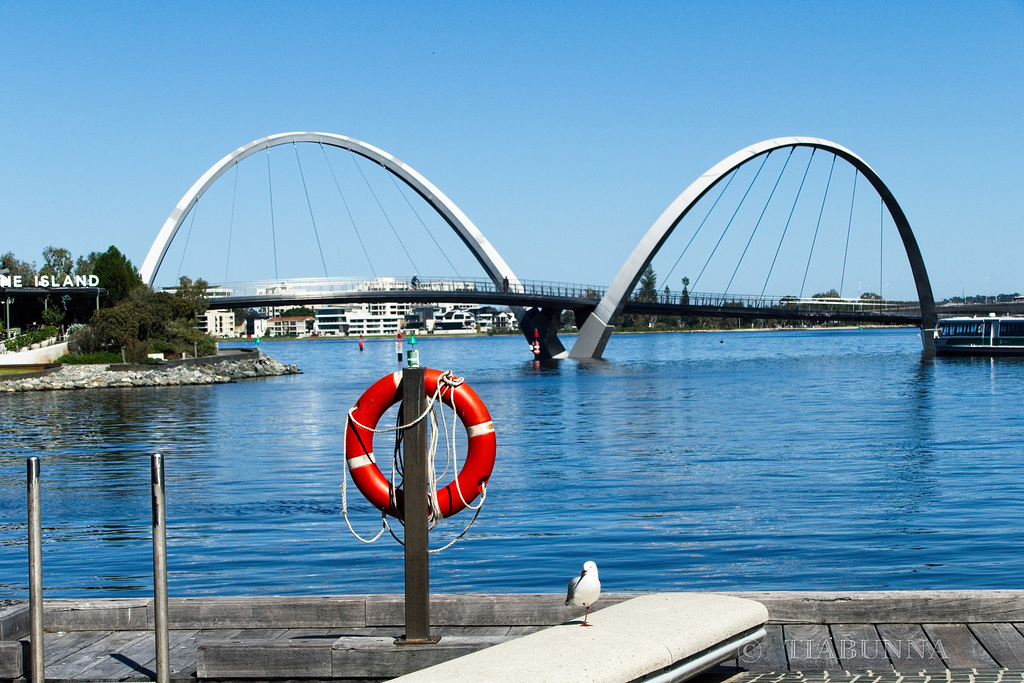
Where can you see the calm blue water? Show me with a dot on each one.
(775, 460)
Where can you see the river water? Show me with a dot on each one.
(835, 460)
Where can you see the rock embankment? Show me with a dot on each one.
(216, 370)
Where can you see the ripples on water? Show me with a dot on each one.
(782, 460)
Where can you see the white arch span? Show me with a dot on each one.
(495, 266)
(597, 328)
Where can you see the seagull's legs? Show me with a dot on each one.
(585, 615)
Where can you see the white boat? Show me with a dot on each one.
(991, 336)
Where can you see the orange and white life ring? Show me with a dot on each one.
(368, 410)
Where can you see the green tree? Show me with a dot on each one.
(830, 294)
(53, 316)
(127, 322)
(17, 267)
(85, 264)
(870, 296)
(648, 291)
(648, 286)
(57, 262)
(117, 275)
(303, 311)
(190, 300)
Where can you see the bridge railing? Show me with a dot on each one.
(309, 286)
(706, 299)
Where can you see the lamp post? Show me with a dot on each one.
(7, 302)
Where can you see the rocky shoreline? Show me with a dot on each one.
(213, 370)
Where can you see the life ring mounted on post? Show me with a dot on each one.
(452, 391)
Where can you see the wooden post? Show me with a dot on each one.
(35, 569)
(161, 630)
(417, 562)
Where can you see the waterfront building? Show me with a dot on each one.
(297, 325)
(218, 323)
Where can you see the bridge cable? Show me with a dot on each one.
(348, 211)
(849, 226)
(188, 235)
(758, 223)
(231, 223)
(881, 243)
(788, 220)
(725, 187)
(420, 219)
(309, 205)
(381, 206)
(273, 230)
(816, 227)
(729, 224)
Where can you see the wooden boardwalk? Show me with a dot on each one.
(899, 637)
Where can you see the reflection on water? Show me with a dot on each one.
(783, 460)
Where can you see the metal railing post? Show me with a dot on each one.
(35, 569)
(161, 631)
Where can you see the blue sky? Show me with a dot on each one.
(563, 130)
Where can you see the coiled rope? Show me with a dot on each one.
(447, 381)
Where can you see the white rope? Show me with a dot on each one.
(434, 516)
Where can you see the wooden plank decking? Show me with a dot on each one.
(846, 637)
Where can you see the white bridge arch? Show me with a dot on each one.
(493, 264)
(597, 328)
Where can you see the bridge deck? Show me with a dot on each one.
(878, 648)
(810, 637)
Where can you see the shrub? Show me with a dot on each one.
(85, 340)
(33, 337)
(95, 358)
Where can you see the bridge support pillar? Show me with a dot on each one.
(593, 337)
(546, 322)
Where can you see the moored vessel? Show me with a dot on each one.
(973, 336)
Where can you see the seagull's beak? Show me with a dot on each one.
(583, 573)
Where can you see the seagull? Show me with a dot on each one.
(584, 589)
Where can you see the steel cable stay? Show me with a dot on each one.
(383, 211)
(759, 218)
(231, 224)
(188, 236)
(348, 211)
(309, 205)
(435, 516)
(273, 230)
(818, 225)
(420, 219)
(849, 226)
(729, 224)
(785, 229)
(725, 187)
(881, 246)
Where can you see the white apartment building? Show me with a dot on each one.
(298, 325)
(377, 319)
(218, 323)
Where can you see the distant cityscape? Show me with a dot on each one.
(353, 320)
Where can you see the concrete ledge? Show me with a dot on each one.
(11, 659)
(627, 641)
